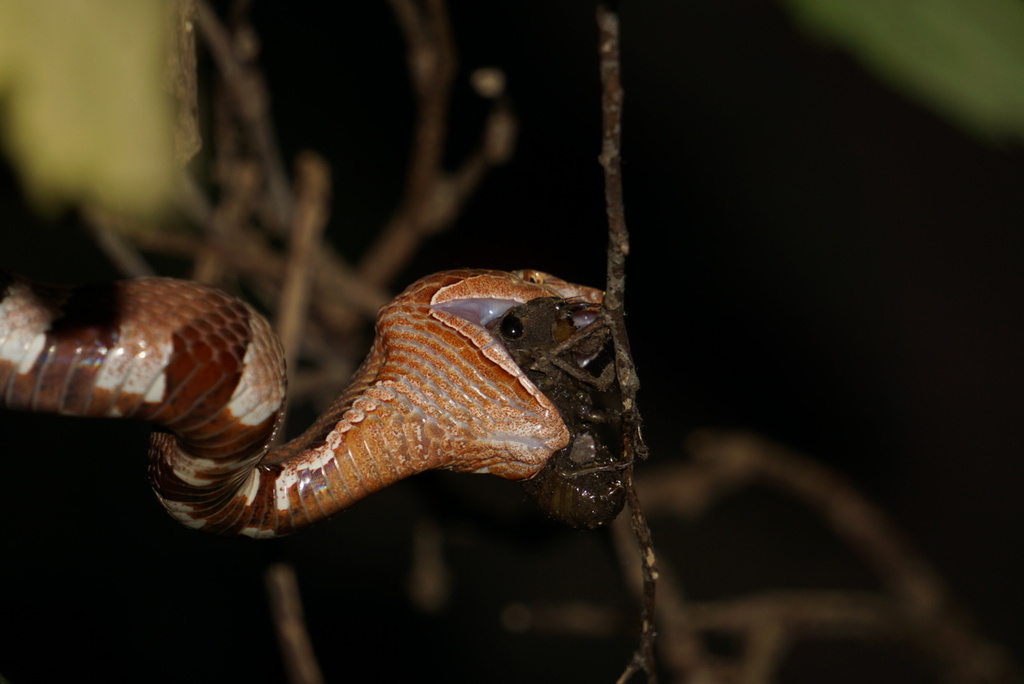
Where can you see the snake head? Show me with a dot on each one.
(511, 427)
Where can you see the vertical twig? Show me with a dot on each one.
(613, 312)
(181, 72)
(312, 195)
(430, 581)
(286, 608)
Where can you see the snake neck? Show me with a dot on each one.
(374, 435)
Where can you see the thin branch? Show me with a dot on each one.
(249, 93)
(242, 188)
(181, 73)
(643, 657)
(286, 609)
(430, 580)
(312, 195)
(433, 198)
(337, 292)
(614, 315)
(343, 298)
(915, 606)
(432, 64)
(961, 655)
(108, 231)
(681, 649)
(730, 460)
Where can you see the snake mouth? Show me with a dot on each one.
(483, 311)
(486, 312)
(479, 310)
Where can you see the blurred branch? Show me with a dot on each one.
(183, 78)
(913, 608)
(726, 461)
(430, 580)
(312, 193)
(108, 230)
(290, 625)
(432, 197)
(252, 104)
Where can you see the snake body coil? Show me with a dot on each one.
(437, 390)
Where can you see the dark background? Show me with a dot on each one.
(815, 257)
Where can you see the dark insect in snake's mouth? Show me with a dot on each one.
(564, 349)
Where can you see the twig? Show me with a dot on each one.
(181, 73)
(107, 231)
(961, 655)
(312, 194)
(337, 291)
(432, 198)
(681, 652)
(349, 299)
(643, 657)
(729, 460)
(577, 618)
(241, 192)
(249, 93)
(430, 581)
(286, 608)
(915, 606)
(432, 65)
(613, 312)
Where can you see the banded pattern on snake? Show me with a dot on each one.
(437, 390)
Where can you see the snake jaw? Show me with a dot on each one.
(478, 310)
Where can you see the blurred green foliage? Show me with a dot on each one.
(965, 58)
(82, 111)
(83, 116)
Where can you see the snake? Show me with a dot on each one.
(437, 390)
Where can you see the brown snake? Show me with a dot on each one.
(437, 390)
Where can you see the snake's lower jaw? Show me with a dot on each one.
(514, 457)
(509, 470)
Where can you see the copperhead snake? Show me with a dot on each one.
(437, 390)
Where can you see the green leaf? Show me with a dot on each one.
(965, 58)
(83, 115)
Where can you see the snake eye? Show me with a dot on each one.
(512, 327)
